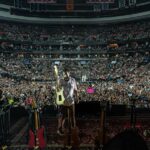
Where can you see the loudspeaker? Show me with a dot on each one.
(118, 110)
(88, 108)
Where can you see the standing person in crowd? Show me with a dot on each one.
(70, 94)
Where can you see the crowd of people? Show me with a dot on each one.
(47, 38)
(35, 33)
(115, 77)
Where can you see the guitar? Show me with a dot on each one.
(100, 139)
(72, 132)
(36, 138)
(60, 99)
(75, 133)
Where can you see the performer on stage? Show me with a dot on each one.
(70, 94)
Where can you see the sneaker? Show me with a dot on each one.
(60, 132)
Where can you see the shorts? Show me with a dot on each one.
(63, 110)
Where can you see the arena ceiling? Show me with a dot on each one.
(12, 11)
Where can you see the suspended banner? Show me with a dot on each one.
(42, 1)
(99, 1)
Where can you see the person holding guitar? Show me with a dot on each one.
(70, 95)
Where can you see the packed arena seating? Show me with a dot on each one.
(113, 78)
(34, 37)
(117, 74)
(113, 75)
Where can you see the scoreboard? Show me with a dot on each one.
(41, 1)
(55, 1)
(69, 8)
(99, 1)
(66, 1)
(81, 5)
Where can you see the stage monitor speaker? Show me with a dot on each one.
(86, 108)
(118, 110)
